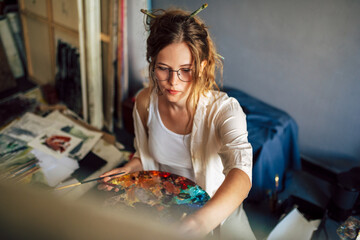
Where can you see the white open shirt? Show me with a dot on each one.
(218, 141)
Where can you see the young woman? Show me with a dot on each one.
(184, 126)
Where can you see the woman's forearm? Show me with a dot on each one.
(228, 197)
(134, 165)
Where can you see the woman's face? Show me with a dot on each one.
(174, 57)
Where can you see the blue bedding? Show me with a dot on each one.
(273, 136)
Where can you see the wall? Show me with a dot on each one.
(136, 45)
(300, 56)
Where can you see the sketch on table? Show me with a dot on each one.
(55, 142)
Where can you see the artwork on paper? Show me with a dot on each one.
(167, 197)
(22, 157)
(88, 138)
(27, 127)
(55, 142)
(10, 147)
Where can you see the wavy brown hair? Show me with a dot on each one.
(175, 26)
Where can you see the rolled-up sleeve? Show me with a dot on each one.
(235, 150)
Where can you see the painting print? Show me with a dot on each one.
(55, 142)
(88, 138)
(10, 147)
(27, 127)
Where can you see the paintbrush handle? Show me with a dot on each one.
(91, 180)
(67, 186)
(100, 178)
(198, 10)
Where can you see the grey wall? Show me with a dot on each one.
(136, 41)
(300, 56)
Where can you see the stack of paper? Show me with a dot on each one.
(57, 142)
(294, 226)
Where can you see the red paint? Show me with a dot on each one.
(164, 174)
(58, 143)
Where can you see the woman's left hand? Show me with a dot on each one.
(192, 226)
(227, 198)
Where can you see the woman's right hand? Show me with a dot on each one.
(133, 165)
(121, 171)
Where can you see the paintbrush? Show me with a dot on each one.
(22, 177)
(87, 181)
(147, 13)
(198, 10)
(22, 168)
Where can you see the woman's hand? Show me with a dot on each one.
(121, 171)
(192, 226)
(228, 197)
(133, 165)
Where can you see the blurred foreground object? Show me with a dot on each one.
(28, 212)
(350, 229)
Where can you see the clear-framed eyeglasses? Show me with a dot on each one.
(163, 73)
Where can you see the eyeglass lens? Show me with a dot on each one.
(163, 74)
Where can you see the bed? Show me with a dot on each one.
(273, 135)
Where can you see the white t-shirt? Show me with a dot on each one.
(169, 149)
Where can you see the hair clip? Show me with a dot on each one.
(198, 10)
(147, 13)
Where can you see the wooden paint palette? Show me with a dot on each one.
(164, 195)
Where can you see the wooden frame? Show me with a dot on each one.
(108, 22)
(41, 12)
(51, 18)
(82, 59)
(93, 62)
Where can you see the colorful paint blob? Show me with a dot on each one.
(166, 196)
